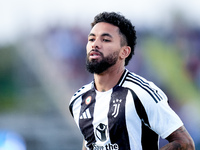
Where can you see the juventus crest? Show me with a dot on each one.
(116, 105)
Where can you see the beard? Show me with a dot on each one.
(98, 67)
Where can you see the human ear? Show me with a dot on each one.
(126, 50)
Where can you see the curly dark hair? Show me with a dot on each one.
(126, 29)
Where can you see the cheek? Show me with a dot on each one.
(87, 48)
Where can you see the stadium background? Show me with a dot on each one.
(42, 57)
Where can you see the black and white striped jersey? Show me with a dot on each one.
(130, 116)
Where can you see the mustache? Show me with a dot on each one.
(96, 50)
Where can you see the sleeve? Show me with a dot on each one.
(163, 120)
(74, 107)
(73, 101)
(76, 96)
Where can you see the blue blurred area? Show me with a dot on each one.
(11, 141)
(40, 72)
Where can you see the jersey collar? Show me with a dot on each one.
(120, 82)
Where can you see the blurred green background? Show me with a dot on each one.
(42, 65)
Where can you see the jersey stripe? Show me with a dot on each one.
(149, 138)
(144, 85)
(71, 105)
(140, 109)
(148, 86)
(117, 123)
(147, 133)
(122, 79)
(85, 123)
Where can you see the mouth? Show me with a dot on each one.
(95, 54)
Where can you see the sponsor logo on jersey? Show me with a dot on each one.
(116, 105)
(108, 146)
(101, 132)
(86, 114)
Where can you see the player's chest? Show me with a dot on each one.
(103, 107)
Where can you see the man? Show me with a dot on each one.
(120, 110)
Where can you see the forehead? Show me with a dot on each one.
(102, 27)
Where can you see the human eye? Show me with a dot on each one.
(106, 40)
(91, 39)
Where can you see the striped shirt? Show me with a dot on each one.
(130, 116)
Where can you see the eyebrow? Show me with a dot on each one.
(104, 34)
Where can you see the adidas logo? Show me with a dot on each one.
(86, 114)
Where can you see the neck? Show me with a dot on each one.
(108, 79)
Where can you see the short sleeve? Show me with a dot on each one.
(163, 120)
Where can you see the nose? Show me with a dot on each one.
(96, 44)
(95, 47)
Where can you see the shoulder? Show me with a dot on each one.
(79, 93)
(144, 88)
(137, 79)
(82, 90)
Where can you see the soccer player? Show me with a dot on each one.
(120, 110)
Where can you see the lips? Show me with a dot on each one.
(94, 54)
